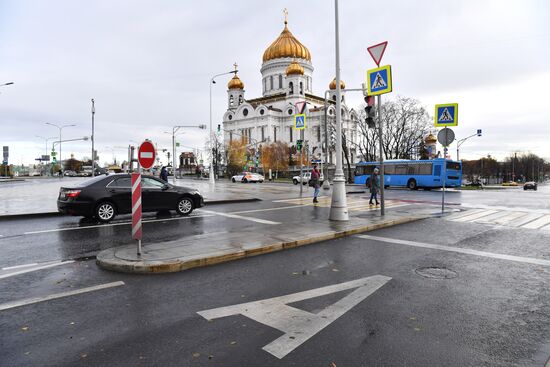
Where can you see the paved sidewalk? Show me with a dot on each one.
(290, 231)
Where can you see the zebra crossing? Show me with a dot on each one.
(508, 218)
(354, 203)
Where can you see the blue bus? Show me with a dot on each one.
(426, 174)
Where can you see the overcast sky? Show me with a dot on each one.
(148, 64)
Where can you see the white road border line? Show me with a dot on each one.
(113, 224)
(527, 260)
(271, 209)
(19, 266)
(57, 263)
(228, 215)
(29, 301)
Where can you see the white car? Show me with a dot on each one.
(248, 177)
(305, 178)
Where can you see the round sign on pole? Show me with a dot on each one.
(445, 137)
(146, 154)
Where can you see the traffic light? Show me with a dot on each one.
(219, 128)
(369, 112)
(299, 144)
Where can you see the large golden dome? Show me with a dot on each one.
(294, 69)
(430, 139)
(286, 45)
(235, 83)
(332, 85)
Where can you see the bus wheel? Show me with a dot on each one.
(411, 184)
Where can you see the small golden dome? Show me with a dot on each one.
(286, 45)
(235, 83)
(294, 69)
(430, 138)
(332, 84)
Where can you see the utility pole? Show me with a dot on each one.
(93, 151)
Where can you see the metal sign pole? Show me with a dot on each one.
(444, 171)
(380, 129)
(301, 163)
(140, 196)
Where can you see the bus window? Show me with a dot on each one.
(437, 170)
(401, 169)
(453, 166)
(389, 169)
(412, 168)
(425, 169)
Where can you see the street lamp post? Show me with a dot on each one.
(338, 206)
(60, 141)
(93, 152)
(174, 131)
(461, 141)
(212, 81)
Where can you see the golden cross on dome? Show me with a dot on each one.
(235, 65)
(285, 12)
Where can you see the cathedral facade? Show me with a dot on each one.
(287, 82)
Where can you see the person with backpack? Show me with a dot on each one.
(374, 184)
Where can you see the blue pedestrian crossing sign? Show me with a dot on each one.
(446, 115)
(300, 121)
(379, 81)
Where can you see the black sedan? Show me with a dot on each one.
(104, 197)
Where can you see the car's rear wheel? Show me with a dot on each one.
(295, 181)
(185, 206)
(105, 212)
(233, 179)
(412, 184)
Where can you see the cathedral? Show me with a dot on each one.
(287, 81)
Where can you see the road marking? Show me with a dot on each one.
(29, 301)
(527, 260)
(19, 266)
(510, 217)
(538, 223)
(299, 325)
(229, 215)
(113, 224)
(31, 267)
(474, 216)
(270, 209)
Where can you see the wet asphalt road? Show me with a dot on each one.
(489, 312)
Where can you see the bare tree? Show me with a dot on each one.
(406, 122)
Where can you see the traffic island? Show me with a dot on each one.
(215, 248)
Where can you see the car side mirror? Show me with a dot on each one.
(165, 187)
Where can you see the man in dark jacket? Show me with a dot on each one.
(164, 174)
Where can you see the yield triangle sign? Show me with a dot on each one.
(377, 51)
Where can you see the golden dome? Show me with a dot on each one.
(332, 84)
(430, 138)
(286, 45)
(235, 83)
(294, 69)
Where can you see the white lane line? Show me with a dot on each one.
(472, 217)
(228, 215)
(538, 223)
(35, 268)
(113, 224)
(270, 209)
(527, 260)
(19, 266)
(29, 301)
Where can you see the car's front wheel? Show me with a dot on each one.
(295, 181)
(105, 212)
(233, 179)
(185, 206)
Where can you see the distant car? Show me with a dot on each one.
(248, 177)
(84, 174)
(510, 183)
(531, 185)
(70, 173)
(306, 178)
(103, 197)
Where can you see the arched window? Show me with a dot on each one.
(280, 81)
(231, 101)
(240, 99)
(301, 88)
(291, 88)
(271, 82)
(334, 98)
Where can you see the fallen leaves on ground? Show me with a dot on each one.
(196, 355)
(25, 328)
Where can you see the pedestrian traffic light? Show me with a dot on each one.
(369, 112)
(299, 144)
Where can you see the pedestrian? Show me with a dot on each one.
(315, 177)
(374, 186)
(164, 174)
(198, 172)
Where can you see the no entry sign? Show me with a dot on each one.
(146, 154)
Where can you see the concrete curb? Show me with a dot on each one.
(56, 214)
(107, 259)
